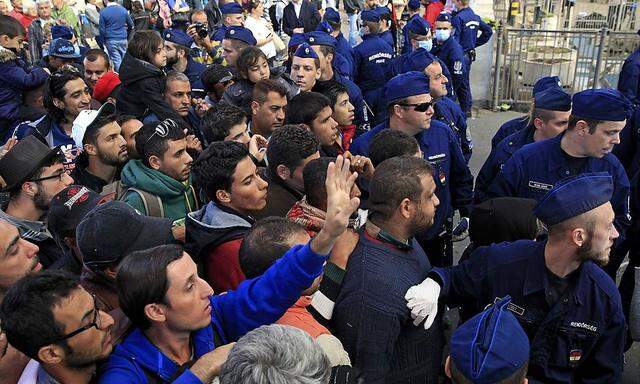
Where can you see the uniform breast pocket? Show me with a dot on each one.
(441, 165)
(574, 342)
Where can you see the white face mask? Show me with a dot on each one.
(443, 34)
(364, 31)
(428, 44)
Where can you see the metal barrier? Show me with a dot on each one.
(580, 58)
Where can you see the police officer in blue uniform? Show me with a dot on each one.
(340, 64)
(231, 16)
(467, 25)
(520, 123)
(419, 34)
(413, 61)
(584, 147)
(181, 42)
(629, 79)
(448, 50)
(491, 347)
(413, 7)
(410, 110)
(568, 307)
(549, 117)
(372, 58)
(324, 46)
(332, 17)
(385, 19)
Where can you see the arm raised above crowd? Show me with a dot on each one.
(264, 299)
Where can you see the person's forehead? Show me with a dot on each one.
(178, 86)
(71, 309)
(110, 129)
(342, 97)
(52, 168)
(244, 169)
(132, 125)
(611, 125)
(274, 98)
(176, 145)
(324, 113)
(74, 85)
(98, 63)
(8, 233)
(304, 61)
(199, 18)
(179, 271)
(419, 98)
(442, 24)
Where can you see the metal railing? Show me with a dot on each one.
(580, 58)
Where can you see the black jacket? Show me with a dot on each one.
(353, 6)
(142, 89)
(309, 17)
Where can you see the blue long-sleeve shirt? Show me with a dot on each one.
(629, 79)
(256, 302)
(115, 22)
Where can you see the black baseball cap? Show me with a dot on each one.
(70, 206)
(113, 230)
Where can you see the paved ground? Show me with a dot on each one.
(483, 126)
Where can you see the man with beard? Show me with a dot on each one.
(33, 174)
(568, 307)
(130, 127)
(268, 105)
(159, 183)
(176, 45)
(104, 148)
(370, 316)
(18, 258)
(50, 318)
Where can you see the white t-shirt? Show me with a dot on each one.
(260, 31)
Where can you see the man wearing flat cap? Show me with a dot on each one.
(597, 117)
(568, 307)
(548, 118)
(410, 108)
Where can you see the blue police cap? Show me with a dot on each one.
(604, 104)
(61, 32)
(383, 11)
(319, 38)
(574, 196)
(231, 8)
(305, 51)
(414, 4)
(62, 48)
(405, 85)
(177, 36)
(419, 26)
(491, 346)
(417, 60)
(324, 26)
(444, 16)
(296, 39)
(331, 15)
(240, 33)
(545, 83)
(553, 99)
(370, 15)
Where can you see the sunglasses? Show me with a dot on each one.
(162, 129)
(422, 107)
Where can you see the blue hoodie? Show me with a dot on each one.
(256, 302)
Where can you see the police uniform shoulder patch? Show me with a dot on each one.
(457, 67)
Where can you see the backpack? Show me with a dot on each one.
(152, 203)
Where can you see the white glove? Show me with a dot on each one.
(422, 300)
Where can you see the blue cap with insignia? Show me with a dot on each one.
(417, 60)
(604, 104)
(414, 4)
(296, 39)
(240, 33)
(444, 16)
(62, 48)
(419, 26)
(231, 8)
(405, 85)
(177, 36)
(305, 51)
(553, 99)
(545, 83)
(319, 38)
(61, 32)
(574, 196)
(370, 15)
(324, 26)
(491, 346)
(331, 15)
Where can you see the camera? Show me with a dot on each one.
(201, 30)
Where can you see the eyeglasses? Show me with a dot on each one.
(97, 322)
(162, 128)
(422, 107)
(59, 176)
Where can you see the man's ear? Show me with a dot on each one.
(406, 208)
(51, 354)
(91, 149)
(255, 106)
(223, 196)
(155, 162)
(155, 312)
(29, 188)
(447, 367)
(538, 123)
(283, 172)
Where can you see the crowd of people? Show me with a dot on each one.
(236, 192)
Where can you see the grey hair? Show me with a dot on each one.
(276, 354)
(175, 76)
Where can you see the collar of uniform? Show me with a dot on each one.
(558, 161)
(519, 140)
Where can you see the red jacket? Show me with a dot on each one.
(222, 266)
